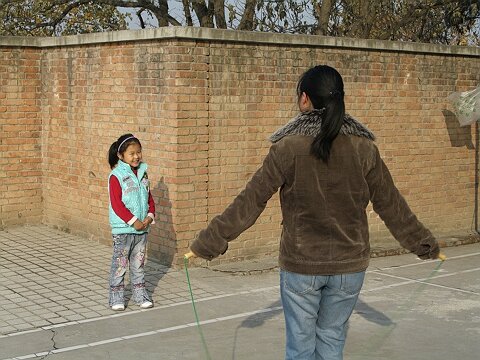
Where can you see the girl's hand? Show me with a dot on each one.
(147, 221)
(138, 225)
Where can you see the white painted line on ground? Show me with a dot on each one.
(149, 333)
(101, 342)
(423, 281)
(76, 347)
(187, 302)
(424, 262)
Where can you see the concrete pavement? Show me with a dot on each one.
(53, 294)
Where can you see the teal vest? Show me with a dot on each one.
(135, 190)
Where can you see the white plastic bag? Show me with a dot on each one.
(466, 106)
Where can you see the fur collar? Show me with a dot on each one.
(309, 124)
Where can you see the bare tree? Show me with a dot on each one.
(220, 14)
(247, 23)
(47, 18)
(323, 11)
(186, 11)
(438, 21)
(203, 13)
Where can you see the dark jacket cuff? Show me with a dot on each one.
(207, 248)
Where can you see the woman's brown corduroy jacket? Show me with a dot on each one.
(325, 227)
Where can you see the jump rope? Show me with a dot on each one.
(204, 343)
(190, 254)
(382, 336)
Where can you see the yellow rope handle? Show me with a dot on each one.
(442, 257)
(189, 255)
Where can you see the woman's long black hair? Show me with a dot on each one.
(324, 86)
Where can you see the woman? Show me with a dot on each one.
(327, 168)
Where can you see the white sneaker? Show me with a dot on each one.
(118, 307)
(146, 305)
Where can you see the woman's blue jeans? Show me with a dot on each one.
(316, 310)
(128, 253)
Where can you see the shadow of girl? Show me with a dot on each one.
(162, 239)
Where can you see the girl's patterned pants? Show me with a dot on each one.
(128, 252)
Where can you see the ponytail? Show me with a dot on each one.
(332, 121)
(324, 87)
(112, 155)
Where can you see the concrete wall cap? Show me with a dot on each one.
(222, 36)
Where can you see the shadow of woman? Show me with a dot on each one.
(376, 339)
(372, 315)
(257, 319)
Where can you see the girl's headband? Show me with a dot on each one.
(123, 142)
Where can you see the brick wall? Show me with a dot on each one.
(401, 97)
(20, 136)
(203, 104)
(91, 96)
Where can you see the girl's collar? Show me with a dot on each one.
(124, 165)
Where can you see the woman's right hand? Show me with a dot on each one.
(189, 255)
(428, 249)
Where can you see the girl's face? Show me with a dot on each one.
(132, 155)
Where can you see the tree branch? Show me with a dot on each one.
(56, 20)
(323, 13)
(186, 11)
(160, 11)
(220, 14)
(203, 15)
(173, 21)
(140, 18)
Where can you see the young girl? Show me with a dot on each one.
(131, 212)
